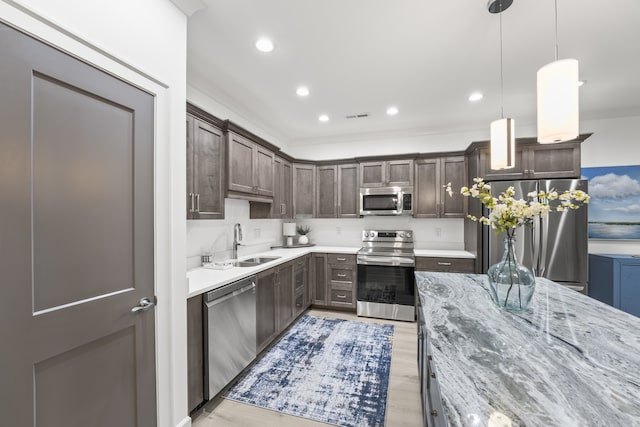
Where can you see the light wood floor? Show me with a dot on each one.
(403, 404)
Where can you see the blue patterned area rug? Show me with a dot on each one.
(329, 370)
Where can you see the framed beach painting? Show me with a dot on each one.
(614, 208)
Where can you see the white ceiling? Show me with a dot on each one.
(423, 56)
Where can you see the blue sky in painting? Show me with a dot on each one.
(615, 193)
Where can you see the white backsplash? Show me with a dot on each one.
(215, 236)
(428, 233)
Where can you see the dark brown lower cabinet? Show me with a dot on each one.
(275, 303)
(448, 265)
(195, 352)
(284, 295)
(265, 308)
(334, 280)
(319, 279)
(301, 291)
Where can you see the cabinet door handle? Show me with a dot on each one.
(341, 296)
(283, 208)
(444, 263)
(341, 259)
(341, 275)
(192, 200)
(198, 202)
(526, 171)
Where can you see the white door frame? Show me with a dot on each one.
(169, 186)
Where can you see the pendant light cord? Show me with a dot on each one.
(501, 79)
(556, 14)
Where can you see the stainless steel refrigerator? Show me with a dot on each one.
(555, 247)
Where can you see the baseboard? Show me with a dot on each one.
(184, 423)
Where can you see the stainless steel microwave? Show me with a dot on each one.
(386, 201)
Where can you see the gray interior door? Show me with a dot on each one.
(76, 242)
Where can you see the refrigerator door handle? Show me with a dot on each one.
(535, 246)
(542, 255)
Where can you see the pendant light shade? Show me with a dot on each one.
(503, 144)
(558, 117)
(503, 140)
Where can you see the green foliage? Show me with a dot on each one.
(303, 230)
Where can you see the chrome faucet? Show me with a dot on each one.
(237, 235)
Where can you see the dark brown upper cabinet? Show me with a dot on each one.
(304, 184)
(348, 191)
(326, 191)
(533, 160)
(250, 169)
(387, 173)
(432, 175)
(205, 169)
(282, 206)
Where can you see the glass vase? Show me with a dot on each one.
(511, 284)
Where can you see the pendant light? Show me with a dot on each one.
(558, 98)
(503, 142)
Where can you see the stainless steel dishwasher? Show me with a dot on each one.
(230, 332)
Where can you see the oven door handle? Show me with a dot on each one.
(386, 260)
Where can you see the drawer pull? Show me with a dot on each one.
(434, 413)
(341, 275)
(444, 263)
(341, 259)
(341, 296)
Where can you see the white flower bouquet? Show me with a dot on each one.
(506, 213)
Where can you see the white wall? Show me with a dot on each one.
(215, 237)
(143, 42)
(223, 112)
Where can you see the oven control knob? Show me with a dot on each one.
(372, 234)
(366, 234)
(401, 234)
(408, 235)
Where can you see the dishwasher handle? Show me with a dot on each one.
(230, 295)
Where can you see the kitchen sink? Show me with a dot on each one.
(252, 262)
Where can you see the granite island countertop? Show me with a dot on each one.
(568, 360)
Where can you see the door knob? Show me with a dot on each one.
(143, 305)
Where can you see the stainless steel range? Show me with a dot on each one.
(386, 281)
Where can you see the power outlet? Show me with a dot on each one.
(256, 233)
(438, 232)
(338, 230)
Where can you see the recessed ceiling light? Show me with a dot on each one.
(581, 82)
(392, 111)
(302, 91)
(264, 45)
(475, 96)
(323, 118)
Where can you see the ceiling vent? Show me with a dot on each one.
(357, 116)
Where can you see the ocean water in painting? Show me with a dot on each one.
(614, 231)
(614, 209)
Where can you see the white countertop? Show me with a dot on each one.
(202, 280)
(444, 253)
